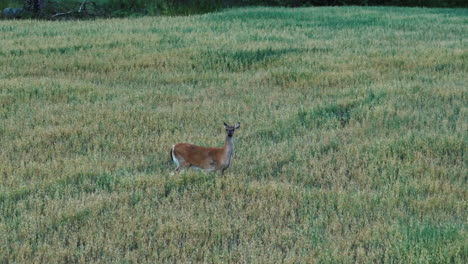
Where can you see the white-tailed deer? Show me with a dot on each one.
(213, 159)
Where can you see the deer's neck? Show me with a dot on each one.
(228, 148)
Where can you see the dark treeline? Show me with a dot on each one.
(297, 3)
(209, 4)
(200, 6)
(56, 9)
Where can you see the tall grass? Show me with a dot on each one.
(352, 146)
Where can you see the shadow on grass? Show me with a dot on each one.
(317, 118)
(238, 60)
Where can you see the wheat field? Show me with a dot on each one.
(352, 146)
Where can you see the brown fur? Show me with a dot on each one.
(206, 158)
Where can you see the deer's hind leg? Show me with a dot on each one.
(182, 165)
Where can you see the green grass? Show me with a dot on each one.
(352, 146)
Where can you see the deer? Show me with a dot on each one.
(186, 155)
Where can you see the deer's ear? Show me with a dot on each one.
(225, 125)
(237, 125)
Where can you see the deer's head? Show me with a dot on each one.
(230, 129)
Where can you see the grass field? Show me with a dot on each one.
(352, 146)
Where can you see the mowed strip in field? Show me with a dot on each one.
(352, 146)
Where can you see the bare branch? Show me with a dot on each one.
(81, 10)
(62, 14)
(83, 6)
